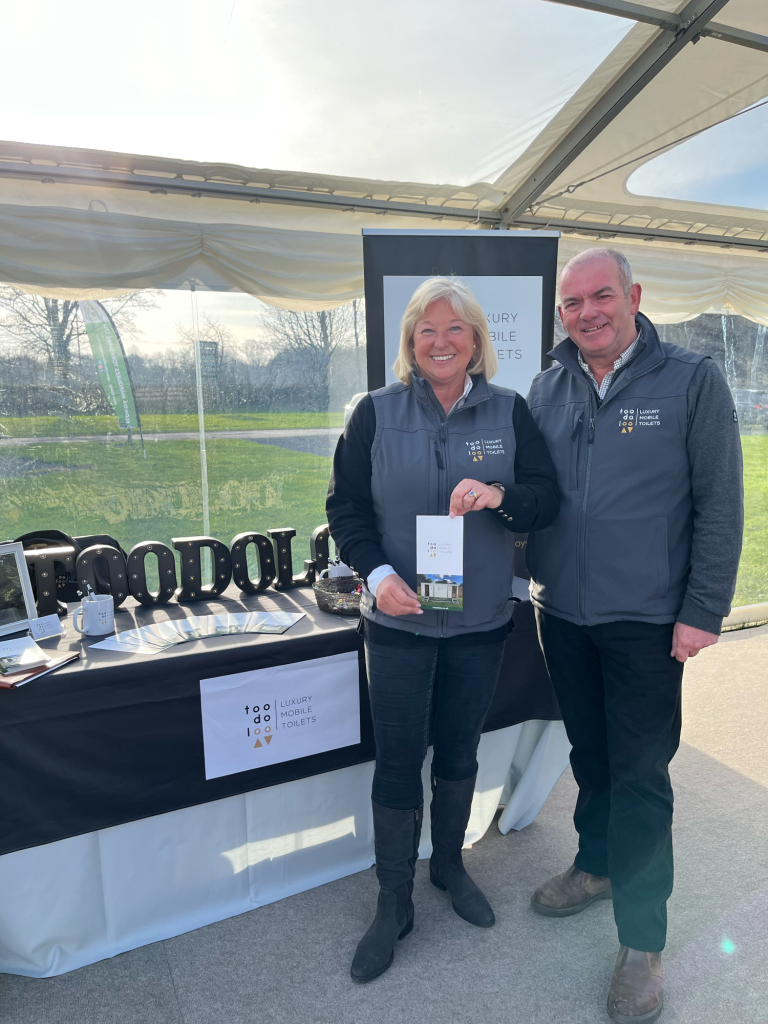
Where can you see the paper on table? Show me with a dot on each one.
(283, 618)
(440, 562)
(196, 626)
(21, 654)
(272, 622)
(166, 631)
(158, 636)
(114, 643)
(134, 637)
(145, 635)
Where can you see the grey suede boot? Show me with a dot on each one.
(396, 838)
(451, 804)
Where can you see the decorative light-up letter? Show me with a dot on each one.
(318, 547)
(137, 575)
(118, 571)
(192, 588)
(281, 539)
(238, 549)
(41, 564)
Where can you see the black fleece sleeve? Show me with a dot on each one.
(349, 504)
(714, 453)
(533, 500)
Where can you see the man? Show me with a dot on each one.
(633, 578)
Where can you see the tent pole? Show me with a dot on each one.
(205, 564)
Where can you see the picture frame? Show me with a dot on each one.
(17, 602)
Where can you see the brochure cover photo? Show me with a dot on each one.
(440, 563)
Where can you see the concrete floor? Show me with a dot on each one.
(288, 962)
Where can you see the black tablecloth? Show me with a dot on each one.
(113, 737)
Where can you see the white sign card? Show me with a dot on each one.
(276, 714)
(512, 306)
(440, 562)
(47, 626)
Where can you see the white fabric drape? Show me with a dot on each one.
(80, 900)
(69, 253)
(59, 251)
(680, 285)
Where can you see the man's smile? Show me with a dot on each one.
(591, 330)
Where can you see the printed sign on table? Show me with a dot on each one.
(270, 715)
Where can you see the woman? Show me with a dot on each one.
(415, 448)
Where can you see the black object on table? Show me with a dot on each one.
(113, 737)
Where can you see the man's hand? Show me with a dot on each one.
(482, 496)
(688, 641)
(395, 597)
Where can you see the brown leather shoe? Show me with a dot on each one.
(570, 893)
(636, 995)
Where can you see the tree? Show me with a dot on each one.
(50, 328)
(305, 343)
(211, 330)
(358, 315)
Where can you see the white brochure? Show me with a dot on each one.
(440, 562)
(270, 715)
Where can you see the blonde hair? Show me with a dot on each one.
(466, 307)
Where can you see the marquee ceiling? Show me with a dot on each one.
(540, 113)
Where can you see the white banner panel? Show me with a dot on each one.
(270, 715)
(512, 306)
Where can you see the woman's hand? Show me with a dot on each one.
(471, 495)
(395, 597)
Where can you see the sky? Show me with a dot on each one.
(725, 164)
(423, 90)
(157, 329)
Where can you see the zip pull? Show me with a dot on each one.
(439, 457)
(591, 429)
(577, 428)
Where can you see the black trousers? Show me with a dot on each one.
(424, 690)
(619, 691)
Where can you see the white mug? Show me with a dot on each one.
(97, 613)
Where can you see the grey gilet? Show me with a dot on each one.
(621, 545)
(415, 440)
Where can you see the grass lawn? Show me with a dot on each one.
(110, 488)
(78, 426)
(752, 584)
(105, 487)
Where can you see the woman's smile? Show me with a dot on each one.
(443, 346)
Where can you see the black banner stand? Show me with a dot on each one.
(397, 253)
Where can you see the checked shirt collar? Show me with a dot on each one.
(625, 357)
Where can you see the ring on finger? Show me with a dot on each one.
(472, 494)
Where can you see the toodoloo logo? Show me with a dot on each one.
(626, 420)
(631, 418)
(477, 450)
(262, 727)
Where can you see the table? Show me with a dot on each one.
(113, 838)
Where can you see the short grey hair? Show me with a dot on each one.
(597, 253)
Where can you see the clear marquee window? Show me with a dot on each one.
(273, 386)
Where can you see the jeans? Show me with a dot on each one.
(421, 686)
(619, 692)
